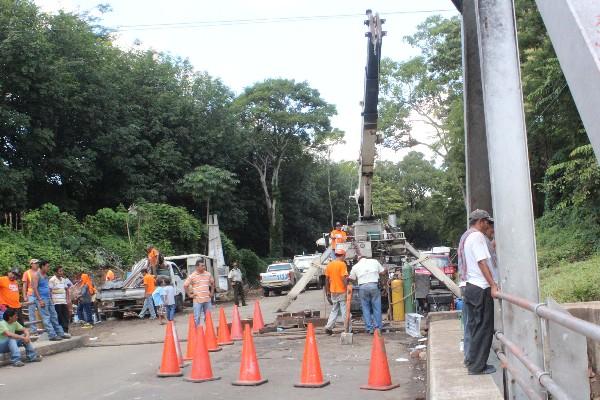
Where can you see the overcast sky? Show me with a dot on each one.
(329, 52)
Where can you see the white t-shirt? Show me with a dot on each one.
(59, 287)
(235, 275)
(367, 270)
(476, 250)
(169, 293)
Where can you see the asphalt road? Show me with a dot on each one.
(129, 371)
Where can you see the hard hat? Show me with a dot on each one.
(340, 252)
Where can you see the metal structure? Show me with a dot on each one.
(542, 344)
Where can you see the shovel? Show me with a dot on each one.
(346, 337)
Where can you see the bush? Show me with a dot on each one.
(572, 282)
(251, 264)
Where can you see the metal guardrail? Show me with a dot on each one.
(585, 328)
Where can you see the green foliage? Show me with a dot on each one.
(572, 282)
(207, 182)
(251, 265)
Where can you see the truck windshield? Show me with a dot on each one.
(279, 267)
(440, 262)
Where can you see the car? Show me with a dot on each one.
(303, 262)
(279, 277)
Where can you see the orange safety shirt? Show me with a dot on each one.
(153, 257)
(149, 284)
(336, 271)
(337, 236)
(27, 278)
(9, 292)
(110, 276)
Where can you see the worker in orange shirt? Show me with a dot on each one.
(9, 293)
(153, 255)
(110, 275)
(335, 287)
(149, 285)
(336, 236)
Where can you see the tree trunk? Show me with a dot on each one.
(329, 185)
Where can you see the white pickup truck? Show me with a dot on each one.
(303, 263)
(279, 277)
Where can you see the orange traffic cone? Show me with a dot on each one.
(311, 375)
(177, 345)
(257, 321)
(236, 324)
(379, 372)
(201, 368)
(224, 335)
(169, 365)
(209, 334)
(249, 370)
(191, 339)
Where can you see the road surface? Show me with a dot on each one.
(128, 371)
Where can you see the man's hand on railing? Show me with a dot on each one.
(495, 291)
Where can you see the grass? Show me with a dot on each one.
(572, 281)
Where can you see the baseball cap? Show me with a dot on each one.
(34, 261)
(340, 252)
(480, 214)
(338, 223)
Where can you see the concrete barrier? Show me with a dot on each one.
(589, 311)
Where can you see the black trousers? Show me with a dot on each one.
(238, 293)
(62, 311)
(480, 326)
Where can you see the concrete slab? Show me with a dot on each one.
(46, 348)
(447, 378)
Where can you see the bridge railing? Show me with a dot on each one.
(545, 376)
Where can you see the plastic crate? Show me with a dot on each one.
(412, 324)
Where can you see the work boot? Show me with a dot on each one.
(55, 338)
(18, 364)
(328, 331)
(489, 369)
(37, 358)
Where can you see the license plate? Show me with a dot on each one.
(276, 277)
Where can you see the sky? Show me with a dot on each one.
(329, 53)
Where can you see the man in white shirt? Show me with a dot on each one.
(366, 272)
(479, 292)
(237, 283)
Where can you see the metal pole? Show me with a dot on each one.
(509, 173)
(542, 376)
(479, 194)
(504, 363)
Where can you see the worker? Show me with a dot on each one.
(153, 255)
(110, 275)
(34, 265)
(335, 288)
(60, 285)
(14, 335)
(43, 298)
(169, 299)
(479, 293)
(336, 236)
(237, 283)
(158, 298)
(85, 301)
(200, 285)
(149, 286)
(9, 293)
(366, 273)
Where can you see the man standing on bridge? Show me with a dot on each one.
(479, 291)
(335, 287)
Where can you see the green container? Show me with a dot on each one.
(407, 282)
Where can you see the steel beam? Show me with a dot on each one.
(510, 180)
(479, 194)
(574, 28)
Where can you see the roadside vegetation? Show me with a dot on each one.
(104, 150)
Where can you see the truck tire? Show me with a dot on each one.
(320, 283)
(266, 292)
(179, 303)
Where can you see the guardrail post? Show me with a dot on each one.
(509, 173)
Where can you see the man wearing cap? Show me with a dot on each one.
(367, 272)
(34, 266)
(237, 283)
(479, 291)
(336, 236)
(335, 287)
(9, 293)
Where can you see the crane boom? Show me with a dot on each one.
(369, 137)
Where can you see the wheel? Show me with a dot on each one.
(266, 292)
(179, 303)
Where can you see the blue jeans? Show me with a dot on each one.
(370, 300)
(12, 346)
(339, 307)
(31, 310)
(170, 312)
(50, 318)
(86, 313)
(148, 306)
(200, 308)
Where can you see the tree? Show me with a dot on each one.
(280, 119)
(207, 182)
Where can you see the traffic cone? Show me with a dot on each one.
(209, 334)
(169, 365)
(379, 371)
(177, 345)
(311, 375)
(201, 369)
(249, 370)
(236, 325)
(191, 339)
(224, 335)
(257, 321)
